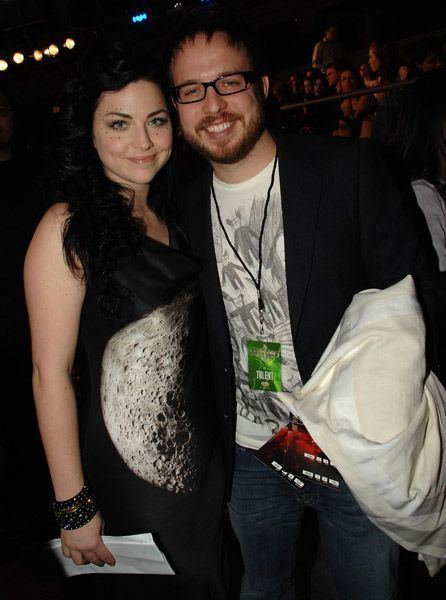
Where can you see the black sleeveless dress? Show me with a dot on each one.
(149, 435)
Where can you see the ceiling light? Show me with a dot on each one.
(38, 55)
(18, 58)
(3, 65)
(53, 50)
(69, 43)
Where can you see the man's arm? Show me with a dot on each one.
(390, 245)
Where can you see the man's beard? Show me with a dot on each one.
(228, 152)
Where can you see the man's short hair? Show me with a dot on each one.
(340, 65)
(208, 20)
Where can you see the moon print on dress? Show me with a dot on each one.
(142, 396)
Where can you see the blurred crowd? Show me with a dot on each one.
(333, 75)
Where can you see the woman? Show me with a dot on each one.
(353, 109)
(384, 61)
(106, 268)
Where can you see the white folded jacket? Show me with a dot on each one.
(371, 408)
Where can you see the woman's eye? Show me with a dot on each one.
(118, 124)
(158, 121)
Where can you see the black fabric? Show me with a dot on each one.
(185, 522)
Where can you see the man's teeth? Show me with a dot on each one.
(218, 128)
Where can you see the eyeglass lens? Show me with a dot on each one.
(230, 84)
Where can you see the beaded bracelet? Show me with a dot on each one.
(77, 511)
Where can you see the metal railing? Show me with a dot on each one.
(363, 92)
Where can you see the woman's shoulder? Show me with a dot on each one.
(49, 231)
(54, 218)
(58, 211)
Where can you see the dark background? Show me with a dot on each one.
(289, 29)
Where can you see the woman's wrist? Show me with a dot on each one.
(76, 511)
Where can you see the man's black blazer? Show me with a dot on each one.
(345, 230)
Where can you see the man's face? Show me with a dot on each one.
(331, 33)
(296, 84)
(223, 129)
(430, 62)
(332, 76)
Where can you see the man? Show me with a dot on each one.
(327, 50)
(333, 75)
(287, 229)
(296, 81)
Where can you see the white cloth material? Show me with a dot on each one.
(370, 408)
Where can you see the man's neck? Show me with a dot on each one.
(259, 157)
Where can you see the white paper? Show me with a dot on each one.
(134, 554)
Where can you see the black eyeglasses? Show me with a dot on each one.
(225, 85)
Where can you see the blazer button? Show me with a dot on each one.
(226, 370)
(225, 416)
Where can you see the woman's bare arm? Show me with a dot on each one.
(54, 298)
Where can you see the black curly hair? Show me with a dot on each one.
(100, 234)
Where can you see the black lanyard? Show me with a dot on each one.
(257, 283)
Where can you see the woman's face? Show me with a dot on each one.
(308, 86)
(132, 133)
(318, 86)
(403, 72)
(348, 81)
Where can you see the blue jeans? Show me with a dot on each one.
(266, 512)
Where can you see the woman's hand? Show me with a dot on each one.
(85, 545)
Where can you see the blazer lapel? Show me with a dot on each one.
(300, 184)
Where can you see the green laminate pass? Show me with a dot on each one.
(264, 366)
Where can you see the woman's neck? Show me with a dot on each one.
(154, 227)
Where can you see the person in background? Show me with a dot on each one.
(333, 75)
(322, 115)
(353, 109)
(308, 88)
(107, 274)
(286, 120)
(365, 72)
(283, 93)
(420, 140)
(384, 61)
(296, 80)
(328, 50)
(320, 87)
(427, 55)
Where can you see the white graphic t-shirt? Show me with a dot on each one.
(259, 414)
